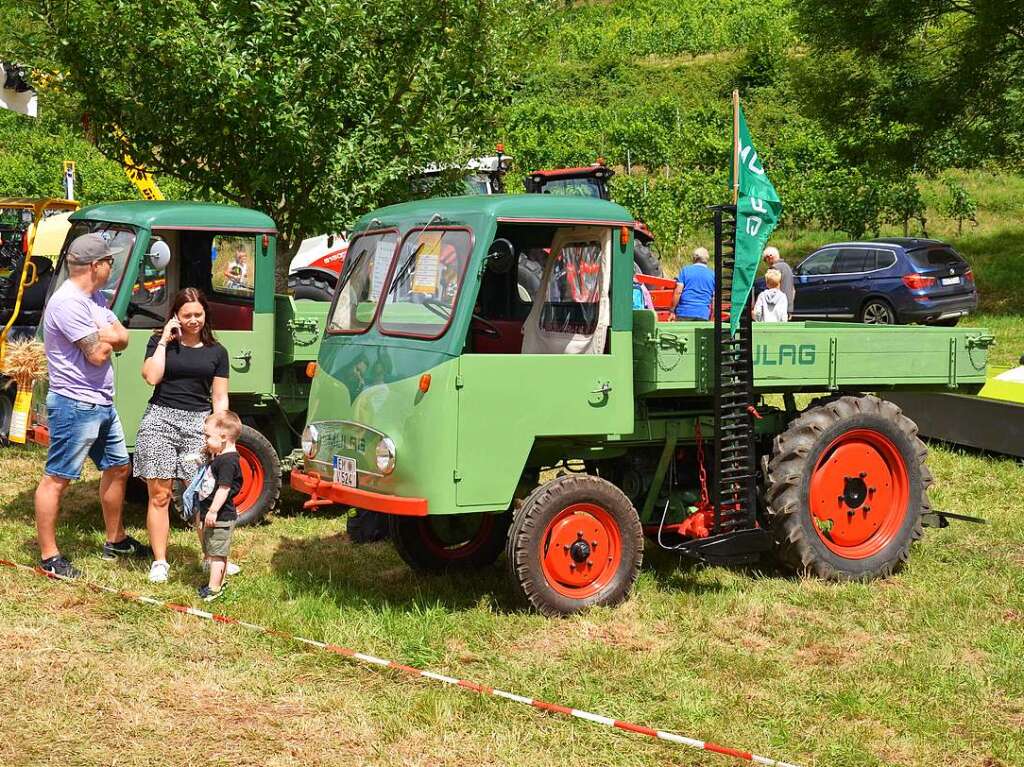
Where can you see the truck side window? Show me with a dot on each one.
(154, 288)
(234, 260)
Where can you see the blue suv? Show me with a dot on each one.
(886, 281)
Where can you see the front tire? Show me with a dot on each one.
(261, 477)
(847, 486)
(575, 542)
(449, 542)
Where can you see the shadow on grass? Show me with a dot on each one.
(80, 529)
(355, 574)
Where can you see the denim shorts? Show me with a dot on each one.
(79, 429)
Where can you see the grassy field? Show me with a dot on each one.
(926, 668)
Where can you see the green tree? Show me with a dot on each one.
(312, 111)
(960, 206)
(896, 76)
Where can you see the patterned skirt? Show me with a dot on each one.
(170, 444)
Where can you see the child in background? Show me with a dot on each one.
(237, 273)
(216, 515)
(771, 304)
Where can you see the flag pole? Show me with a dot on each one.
(735, 146)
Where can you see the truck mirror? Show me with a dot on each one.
(500, 256)
(159, 255)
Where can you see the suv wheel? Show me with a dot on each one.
(877, 312)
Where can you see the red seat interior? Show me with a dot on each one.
(510, 342)
(225, 316)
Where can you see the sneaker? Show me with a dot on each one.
(207, 594)
(129, 547)
(231, 569)
(60, 567)
(158, 571)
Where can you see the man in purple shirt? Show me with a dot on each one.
(80, 334)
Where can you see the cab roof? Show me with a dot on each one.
(525, 208)
(168, 214)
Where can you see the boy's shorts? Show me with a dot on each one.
(217, 539)
(79, 430)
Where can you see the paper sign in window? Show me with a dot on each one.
(427, 272)
(381, 262)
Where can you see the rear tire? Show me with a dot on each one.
(878, 312)
(261, 477)
(847, 485)
(575, 542)
(311, 287)
(528, 276)
(449, 542)
(644, 257)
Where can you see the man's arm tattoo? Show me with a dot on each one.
(88, 343)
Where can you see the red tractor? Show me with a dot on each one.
(592, 181)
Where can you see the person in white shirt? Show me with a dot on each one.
(772, 304)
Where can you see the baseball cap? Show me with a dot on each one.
(90, 247)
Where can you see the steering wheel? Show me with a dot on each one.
(485, 327)
(133, 309)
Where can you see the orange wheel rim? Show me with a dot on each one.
(581, 551)
(859, 494)
(252, 479)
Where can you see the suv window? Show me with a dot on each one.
(819, 263)
(935, 257)
(854, 261)
(885, 259)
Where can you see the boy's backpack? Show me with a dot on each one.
(190, 498)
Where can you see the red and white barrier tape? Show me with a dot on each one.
(345, 652)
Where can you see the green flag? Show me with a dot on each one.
(758, 210)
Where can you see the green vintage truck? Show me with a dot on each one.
(563, 427)
(271, 339)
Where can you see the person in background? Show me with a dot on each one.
(236, 275)
(695, 288)
(772, 304)
(80, 334)
(189, 372)
(773, 260)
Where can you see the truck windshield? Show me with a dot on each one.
(425, 285)
(120, 238)
(573, 187)
(366, 269)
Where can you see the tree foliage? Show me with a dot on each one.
(311, 110)
(900, 77)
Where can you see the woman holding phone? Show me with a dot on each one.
(189, 371)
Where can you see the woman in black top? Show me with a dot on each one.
(190, 372)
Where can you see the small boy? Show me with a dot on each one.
(771, 304)
(216, 515)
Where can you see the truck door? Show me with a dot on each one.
(572, 379)
(224, 267)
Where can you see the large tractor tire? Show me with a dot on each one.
(528, 277)
(575, 542)
(449, 542)
(311, 286)
(846, 488)
(645, 259)
(6, 414)
(261, 477)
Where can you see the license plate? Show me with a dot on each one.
(344, 471)
(950, 280)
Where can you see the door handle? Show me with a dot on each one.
(604, 388)
(245, 357)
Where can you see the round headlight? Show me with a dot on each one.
(310, 440)
(386, 455)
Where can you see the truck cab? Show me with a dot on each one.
(439, 377)
(228, 253)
